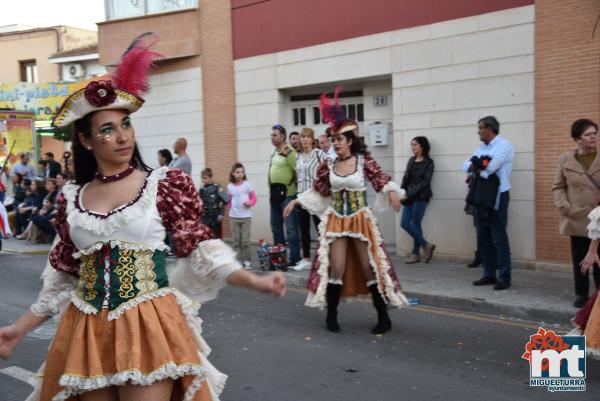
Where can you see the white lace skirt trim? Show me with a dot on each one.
(205, 372)
(385, 283)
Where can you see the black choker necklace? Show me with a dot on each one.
(116, 177)
(345, 158)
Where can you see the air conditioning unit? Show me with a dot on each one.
(74, 71)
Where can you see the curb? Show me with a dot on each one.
(476, 305)
(8, 250)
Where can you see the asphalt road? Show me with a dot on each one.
(278, 350)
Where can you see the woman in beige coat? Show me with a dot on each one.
(576, 192)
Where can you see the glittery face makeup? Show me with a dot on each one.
(107, 131)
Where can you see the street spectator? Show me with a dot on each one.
(241, 199)
(24, 168)
(39, 229)
(576, 192)
(282, 188)
(295, 141)
(164, 157)
(491, 167)
(307, 163)
(417, 184)
(53, 167)
(42, 168)
(182, 161)
(61, 179)
(18, 188)
(214, 200)
(326, 147)
(34, 199)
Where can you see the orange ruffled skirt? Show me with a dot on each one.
(149, 342)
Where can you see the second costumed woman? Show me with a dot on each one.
(351, 260)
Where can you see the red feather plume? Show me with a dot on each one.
(131, 74)
(332, 113)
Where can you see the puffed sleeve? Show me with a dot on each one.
(382, 183)
(181, 212)
(61, 273)
(203, 263)
(57, 290)
(594, 225)
(318, 198)
(61, 255)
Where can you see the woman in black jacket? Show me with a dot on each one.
(417, 184)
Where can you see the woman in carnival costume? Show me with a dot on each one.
(351, 259)
(129, 330)
(587, 319)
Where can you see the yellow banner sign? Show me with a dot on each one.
(19, 136)
(42, 99)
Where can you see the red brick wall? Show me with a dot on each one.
(220, 141)
(262, 27)
(567, 87)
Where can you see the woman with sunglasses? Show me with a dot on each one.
(351, 259)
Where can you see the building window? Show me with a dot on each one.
(132, 8)
(299, 115)
(29, 71)
(316, 116)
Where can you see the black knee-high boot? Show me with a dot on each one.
(333, 300)
(383, 319)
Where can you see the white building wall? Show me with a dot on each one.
(173, 109)
(440, 78)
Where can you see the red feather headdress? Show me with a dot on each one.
(124, 90)
(333, 114)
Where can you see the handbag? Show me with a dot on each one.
(278, 192)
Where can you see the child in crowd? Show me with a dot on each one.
(241, 199)
(214, 200)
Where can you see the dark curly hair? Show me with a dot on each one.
(579, 126)
(84, 162)
(358, 146)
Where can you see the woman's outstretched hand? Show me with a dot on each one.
(274, 283)
(395, 201)
(591, 259)
(10, 337)
(289, 208)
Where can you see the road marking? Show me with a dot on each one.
(21, 374)
(447, 312)
(45, 331)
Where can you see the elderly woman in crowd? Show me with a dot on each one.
(576, 192)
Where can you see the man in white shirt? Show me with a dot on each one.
(326, 147)
(492, 238)
(182, 161)
(24, 168)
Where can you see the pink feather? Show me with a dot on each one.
(131, 74)
(332, 113)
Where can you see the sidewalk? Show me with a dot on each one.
(540, 296)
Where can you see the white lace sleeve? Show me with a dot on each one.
(314, 202)
(56, 292)
(382, 201)
(594, 225)
(204, 271)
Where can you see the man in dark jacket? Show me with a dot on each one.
(52, 167)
